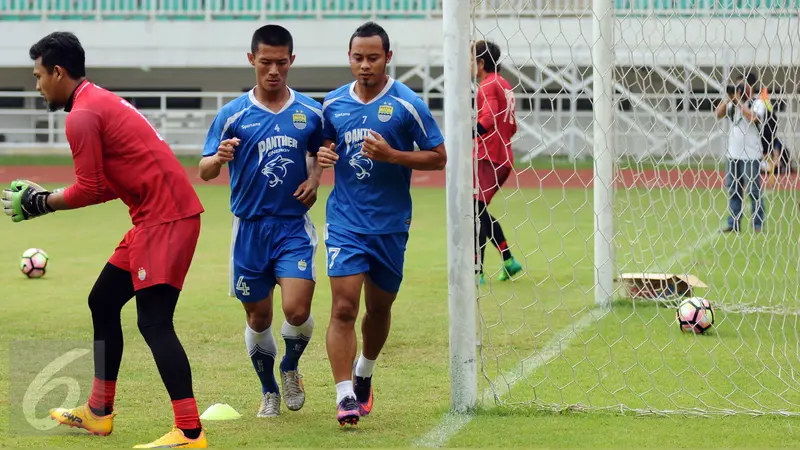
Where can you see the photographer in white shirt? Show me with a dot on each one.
(744, 151)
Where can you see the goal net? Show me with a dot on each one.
(627, 90)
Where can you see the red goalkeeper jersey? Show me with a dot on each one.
(119, 154)
(497, 115)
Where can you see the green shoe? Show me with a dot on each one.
(481, 280)
(510, 268)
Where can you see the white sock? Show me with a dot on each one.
(263, 340)
(303, 331)
(364, 367)
(344, 389)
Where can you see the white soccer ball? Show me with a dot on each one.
(695, 315)
(34, 263)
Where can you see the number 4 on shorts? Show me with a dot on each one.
(242, 287)
(333, 252)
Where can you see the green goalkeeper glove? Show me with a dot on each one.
(25, 200)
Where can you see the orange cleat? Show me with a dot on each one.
(83, 417)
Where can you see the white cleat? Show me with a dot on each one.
(270, 405)
(293, 393)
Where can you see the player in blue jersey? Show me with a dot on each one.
(269, 138)
(370, 128)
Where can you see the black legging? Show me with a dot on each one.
(489, 229)
(155, 307)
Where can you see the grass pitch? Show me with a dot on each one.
(633, 356)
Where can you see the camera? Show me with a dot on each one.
(731, 89)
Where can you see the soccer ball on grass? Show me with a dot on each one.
(34, 263)
(695, 315)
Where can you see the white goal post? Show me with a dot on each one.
(617, 208)
(457, 30)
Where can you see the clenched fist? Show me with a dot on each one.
(225, 150)
(327, 156)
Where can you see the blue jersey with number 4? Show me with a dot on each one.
(372, 197)
(270, 161)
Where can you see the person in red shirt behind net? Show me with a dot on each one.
(497, 123)
(118, 154)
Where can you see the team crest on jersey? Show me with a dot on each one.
(142, 274)
(275, 169)
(302, 265)
(299, 120)
(385, 112)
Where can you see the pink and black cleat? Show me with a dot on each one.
(348, 411)
(363, 390)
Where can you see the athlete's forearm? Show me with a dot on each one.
(210, 167)
(57, 202)
(722, 109)
(313, 167)
(422, 160)
(748, 113)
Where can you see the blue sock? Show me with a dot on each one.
(296, 338)
(262, 350)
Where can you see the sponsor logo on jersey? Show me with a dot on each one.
(275, 144)
(361, 165)
(354, 139)
(275, 170)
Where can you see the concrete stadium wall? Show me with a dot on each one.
(665, 41)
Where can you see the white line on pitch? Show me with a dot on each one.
(452, 423)
(708, 238)
(448, 427)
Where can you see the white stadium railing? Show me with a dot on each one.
(375, 9)
(550, 124)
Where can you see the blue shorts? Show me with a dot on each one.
(380, 256)
(267, 248)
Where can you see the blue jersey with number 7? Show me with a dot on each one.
(372, 197)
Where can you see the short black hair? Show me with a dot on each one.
(272, 35)
(370, 29)
(489, 53)
(750, 78)
(60, 48)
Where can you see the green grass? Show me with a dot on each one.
(634, 356)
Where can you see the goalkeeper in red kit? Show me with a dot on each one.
(118, 154)
(497, 124)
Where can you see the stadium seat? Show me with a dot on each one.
(180, 9)
(339, 7)
(407, 9)
(125, 9)
(236, 9)
(289, 9)
(18, 10)
(70, 9)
